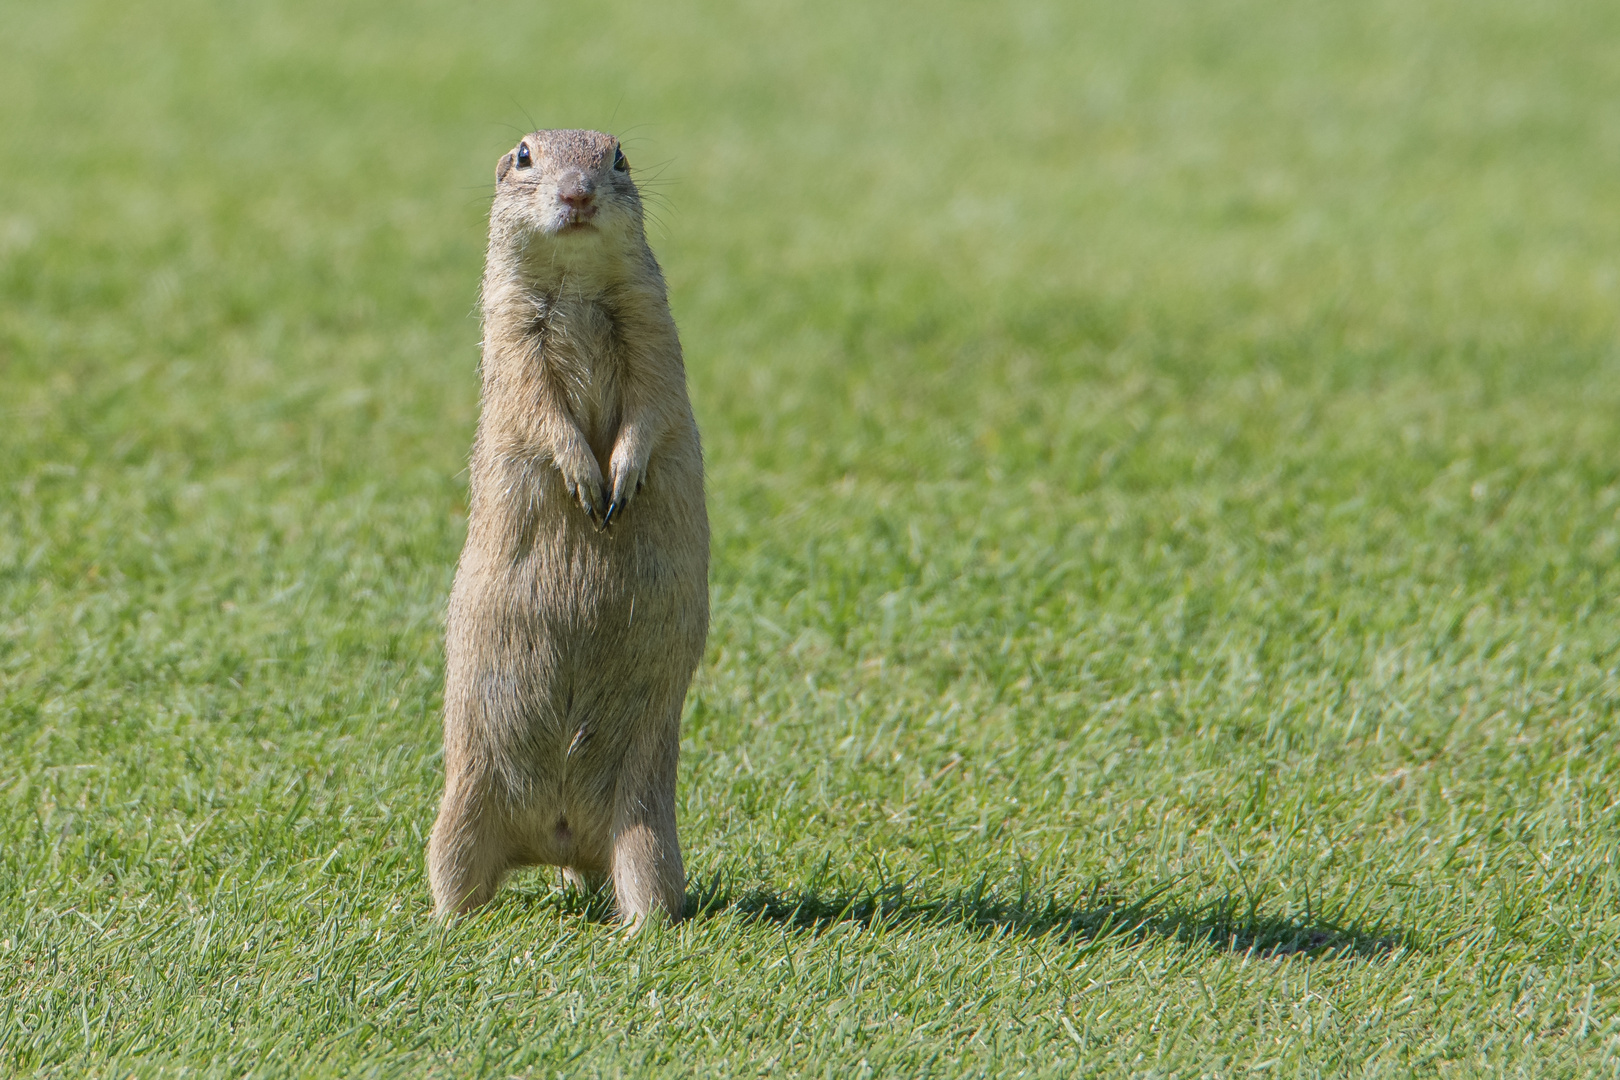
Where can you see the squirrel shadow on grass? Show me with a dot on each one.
(1234, 923)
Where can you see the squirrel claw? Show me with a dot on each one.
(613, 508)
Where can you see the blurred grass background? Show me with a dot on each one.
(1166, 486)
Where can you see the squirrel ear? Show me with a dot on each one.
(503, 168)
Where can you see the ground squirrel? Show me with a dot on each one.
(581, 601)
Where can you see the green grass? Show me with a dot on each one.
(1165, 471)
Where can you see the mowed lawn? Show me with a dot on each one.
(1164, 461)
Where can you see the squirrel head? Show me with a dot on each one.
(568, 196)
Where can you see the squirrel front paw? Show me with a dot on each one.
(629, 477)
(583, 478)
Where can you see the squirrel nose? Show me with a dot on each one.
(576, 189)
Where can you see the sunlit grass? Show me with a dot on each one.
(1166, 486)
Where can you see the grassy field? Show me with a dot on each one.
(1165, 470)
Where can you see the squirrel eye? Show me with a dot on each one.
(524, 160)
(619, 162)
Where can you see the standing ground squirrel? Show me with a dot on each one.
(581, 602)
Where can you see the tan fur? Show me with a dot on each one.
(581, 603)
